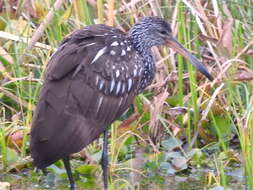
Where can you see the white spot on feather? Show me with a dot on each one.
(100, 52)
(135, 72)
(112, 85)
(97, 79)
(117, 73)
(118, 88)
(112, 52)
(140, 71)
(99, 104)
(130, 82)
(123, 52)
(99, 35)
(101, 84)
(128, 48)
(115, 43)
(87, 45)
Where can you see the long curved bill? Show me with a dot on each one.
(174, 44)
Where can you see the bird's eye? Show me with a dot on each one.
(163, 32)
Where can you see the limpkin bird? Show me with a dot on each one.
(90, 81)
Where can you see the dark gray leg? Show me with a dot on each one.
(44, 171)
(69, 172)
(105, 160)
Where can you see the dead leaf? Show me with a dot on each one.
(155, 111)
(226, 31)
(177, 111)
(249, 52)
(126, 124)
(226, 37)
(243, 74)
(16, 140)
(179, 163)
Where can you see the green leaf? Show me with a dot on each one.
(171, 144)
(87, 169)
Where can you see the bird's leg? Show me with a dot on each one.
(105, 160)
(44, 171)
(69, 172)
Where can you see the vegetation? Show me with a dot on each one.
(183, 132)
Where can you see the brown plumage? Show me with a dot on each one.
(77, 100)
(91, 81)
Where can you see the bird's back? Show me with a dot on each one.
(89, 82)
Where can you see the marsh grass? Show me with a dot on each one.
(220, 33)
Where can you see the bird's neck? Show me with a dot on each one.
(149, 71)
(144, 50)
(139, 42)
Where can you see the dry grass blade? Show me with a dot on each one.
(202, 29)
(245, 49)
(208, 38)
(154, 7)
(110, 12)
(38, 33)
(16, 38)
(6, 55)
(14, 97)
(180, 104)
(4, 71)
(201, 11)
(129, 6)
(204, 116)
(211, 102)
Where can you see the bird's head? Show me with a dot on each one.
(155, 31)
(151, 31)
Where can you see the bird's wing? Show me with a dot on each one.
(95, 56)
(90, 81)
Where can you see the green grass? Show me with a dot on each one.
(218, 119)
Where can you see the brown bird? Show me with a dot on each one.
(90, 81)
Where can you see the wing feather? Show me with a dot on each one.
(80, 98)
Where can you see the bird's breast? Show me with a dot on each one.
(148, 73)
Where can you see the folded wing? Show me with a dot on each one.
(89, 82)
